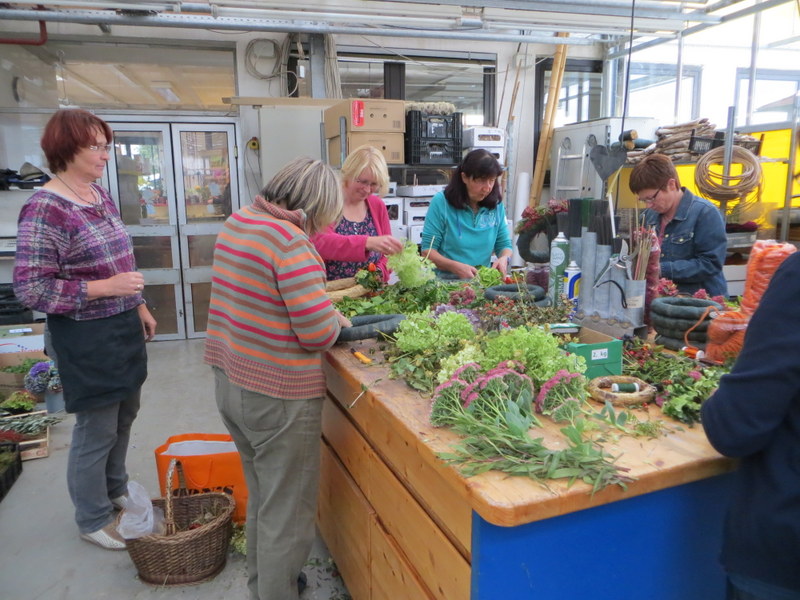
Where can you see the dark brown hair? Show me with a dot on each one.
(478, 164)
(67, 131)
(653, 173)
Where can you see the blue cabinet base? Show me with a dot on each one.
(659, 546)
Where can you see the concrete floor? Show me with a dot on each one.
(41, 555)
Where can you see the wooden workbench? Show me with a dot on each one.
(402, 524)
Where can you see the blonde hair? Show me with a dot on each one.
(367, 157)
(311, 186)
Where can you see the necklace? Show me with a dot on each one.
(98, 203)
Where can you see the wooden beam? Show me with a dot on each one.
(546, 137)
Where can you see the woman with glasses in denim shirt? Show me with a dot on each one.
(691, 229)
(363, 235)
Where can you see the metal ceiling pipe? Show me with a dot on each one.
(240, 24)
(616, 8)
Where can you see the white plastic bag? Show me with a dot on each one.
(140, 517)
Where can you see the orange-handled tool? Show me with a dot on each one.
(364, 359)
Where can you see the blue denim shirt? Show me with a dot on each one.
(694, 245)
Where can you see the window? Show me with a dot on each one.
(774, 93)
(460, 79)
(651, 92)
(580, 98)
(126, 75)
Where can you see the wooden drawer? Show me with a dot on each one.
(344, 518)
(439, 564)
(426, 481)
(412, 531)
(392, 577)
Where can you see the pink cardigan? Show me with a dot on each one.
(335, 246)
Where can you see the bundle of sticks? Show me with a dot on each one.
(673, 140)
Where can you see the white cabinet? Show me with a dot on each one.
(572, 174)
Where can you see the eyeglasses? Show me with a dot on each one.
(104, 148)
(652, 198)
(364, 183)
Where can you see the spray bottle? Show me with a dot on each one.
(559, 254)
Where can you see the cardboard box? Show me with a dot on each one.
(603, 353)
(12, 382)
(391, 146)
(369, 114)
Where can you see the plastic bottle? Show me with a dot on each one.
(559, 255)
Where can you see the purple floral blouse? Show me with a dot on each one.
(340, 269)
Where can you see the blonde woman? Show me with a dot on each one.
(269, 323)
(363, 234)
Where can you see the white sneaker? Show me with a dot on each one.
(107, 538)
(120, 502)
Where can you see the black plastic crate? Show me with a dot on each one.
(423, 126)
(701, 145)
(432, 152)
(12, 471)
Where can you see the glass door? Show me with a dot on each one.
(141, 179)
(204, 161)
(174, 189)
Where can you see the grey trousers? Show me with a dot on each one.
(278, 441)
(96, 465)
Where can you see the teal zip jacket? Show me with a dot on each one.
(462, 235)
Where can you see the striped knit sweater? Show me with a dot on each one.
(269, 318)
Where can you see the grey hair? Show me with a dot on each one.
(311, 186)
(367, 157)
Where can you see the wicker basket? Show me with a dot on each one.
(185, 556)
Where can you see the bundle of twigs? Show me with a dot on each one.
(673, 140)
(641, 249)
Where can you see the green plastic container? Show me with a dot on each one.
(603, 353)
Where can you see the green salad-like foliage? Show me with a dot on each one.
(488, 277)
(538, 350)
(411, 269)
(418, 332)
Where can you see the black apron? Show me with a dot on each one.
(100, 361)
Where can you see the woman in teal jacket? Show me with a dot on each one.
(466, 224)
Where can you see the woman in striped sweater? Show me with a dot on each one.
(269, 323)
